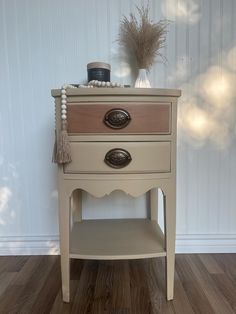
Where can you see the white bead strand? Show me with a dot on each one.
(96, 83)
(63, 102)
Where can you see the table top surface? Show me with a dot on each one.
(118, 91)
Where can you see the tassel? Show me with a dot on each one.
(62, 148)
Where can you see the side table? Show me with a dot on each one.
(121, 139)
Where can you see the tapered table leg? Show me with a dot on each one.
(170, 227)
(64, 224)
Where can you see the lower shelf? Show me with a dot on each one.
(111, 239)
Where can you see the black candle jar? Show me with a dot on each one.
(99, 71)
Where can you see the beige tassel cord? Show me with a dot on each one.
(62, 150)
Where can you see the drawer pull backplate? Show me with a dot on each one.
(117, 158)
(117, 118)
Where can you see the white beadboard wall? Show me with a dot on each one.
(47, 43)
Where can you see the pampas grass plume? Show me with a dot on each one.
(143, 39)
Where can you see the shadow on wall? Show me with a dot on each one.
(181, 11)
(53, 247)
(5, 196)
(124, 66)
(206, 109)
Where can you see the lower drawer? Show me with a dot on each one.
(119, 157)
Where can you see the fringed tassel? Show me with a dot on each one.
(62, 150)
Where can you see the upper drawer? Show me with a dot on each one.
(119, 118)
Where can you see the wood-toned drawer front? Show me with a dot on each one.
(144, 118)
(89, 157)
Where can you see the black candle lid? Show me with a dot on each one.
(98, 65)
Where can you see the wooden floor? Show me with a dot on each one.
(204, 283)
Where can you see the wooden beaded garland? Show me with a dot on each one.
(64, 103)
(91, 84)
(62, 151)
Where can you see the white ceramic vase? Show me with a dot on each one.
(142, 80)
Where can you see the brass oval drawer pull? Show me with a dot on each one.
(117, 158)
(117, 118)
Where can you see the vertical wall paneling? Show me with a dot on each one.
(226, 40)
(203, 156)
(233, 149)
(214, 156)
(192, 165)
(45, 44)
(180, 72)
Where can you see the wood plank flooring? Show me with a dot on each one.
(204, 283)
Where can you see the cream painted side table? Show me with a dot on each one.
(121, 139)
